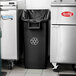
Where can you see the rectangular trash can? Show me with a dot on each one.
(35, 24)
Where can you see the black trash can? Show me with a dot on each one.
(35, 23)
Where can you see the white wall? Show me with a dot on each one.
(21, 4)
(38, 4)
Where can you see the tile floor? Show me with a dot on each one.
(19, 71)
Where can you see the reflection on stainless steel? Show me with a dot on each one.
(63, 33)
(9, 30)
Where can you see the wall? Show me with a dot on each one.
(38, 4)
(21, 4)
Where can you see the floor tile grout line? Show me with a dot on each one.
(42, 72)
(26, 72)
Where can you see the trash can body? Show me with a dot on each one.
(35, 44)
(35, 47)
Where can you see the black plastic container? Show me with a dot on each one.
(35, 23)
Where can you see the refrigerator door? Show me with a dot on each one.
(63, 14)
(9, 34)
(63, 44)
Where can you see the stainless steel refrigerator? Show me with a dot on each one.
(9, 48)
(63, 33)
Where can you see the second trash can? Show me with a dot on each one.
(35, 24)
